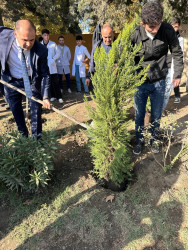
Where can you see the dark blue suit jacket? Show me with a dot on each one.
(38, 60)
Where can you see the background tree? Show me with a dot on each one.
(116, 12)
(1, 18)
(72, 16)
(57, 15)
(175, 8)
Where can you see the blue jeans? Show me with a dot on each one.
(168, 88)
(156, 92)
(14, 99)
(77, 74)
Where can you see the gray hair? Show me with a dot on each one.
(106, 25)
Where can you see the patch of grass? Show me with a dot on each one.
(28, 221)
(142, 225)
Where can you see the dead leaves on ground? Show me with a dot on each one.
(110, 198)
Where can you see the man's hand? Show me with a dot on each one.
(87, 82)
(176, 82)
(46, 104)
(86, 60)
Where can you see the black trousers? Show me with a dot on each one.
(1, 89)
(177, 91)
(54, 86)
(14, 99)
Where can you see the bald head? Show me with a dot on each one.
(106, 26)
(107, 34)
(26, 24)
(25, 32)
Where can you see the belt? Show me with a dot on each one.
(19, 79)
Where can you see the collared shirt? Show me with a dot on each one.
(107, 48)
(151, 36)
(14, 60)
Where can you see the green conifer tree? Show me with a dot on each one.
(114, 82)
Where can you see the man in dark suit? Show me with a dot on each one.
(14, 46)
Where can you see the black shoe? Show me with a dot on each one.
(138, 148)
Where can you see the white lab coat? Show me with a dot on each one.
(53, 54)
(181, 42)
(63, 61)
(80, 54)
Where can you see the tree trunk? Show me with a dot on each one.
(1, 18)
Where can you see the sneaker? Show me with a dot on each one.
(60, 100)
(69, 90)
(138, 148)
(155, 147)
(52, 99)
(177, 100)
(78, 92)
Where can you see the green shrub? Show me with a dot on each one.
(114, 82)
(26, 164)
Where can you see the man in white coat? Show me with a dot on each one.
(175, 22)
(63, 63)
(81, 56)
(53, 54)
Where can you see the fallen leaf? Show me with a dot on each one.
(110, 198)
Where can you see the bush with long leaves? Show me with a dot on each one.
(26, 164)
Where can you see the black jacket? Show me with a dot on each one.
(155, 51)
